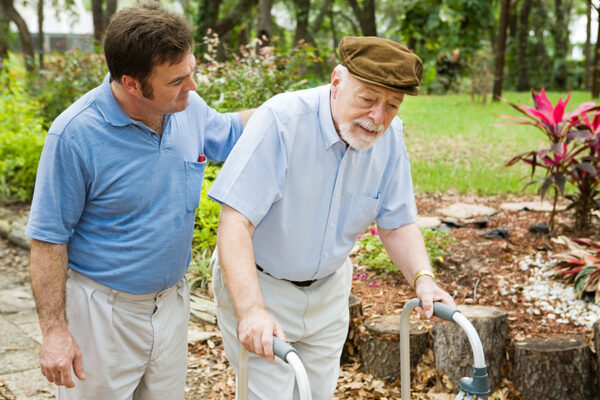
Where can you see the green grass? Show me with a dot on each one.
(453, 144)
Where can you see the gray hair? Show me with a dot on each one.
(344, 74)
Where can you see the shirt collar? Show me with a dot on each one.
(109, 108)
(330, 135)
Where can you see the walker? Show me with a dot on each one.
(473, 388)
(288, 354)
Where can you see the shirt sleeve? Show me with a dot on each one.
(253, 177)
(398, 206)
(60, 192)
(222, 131)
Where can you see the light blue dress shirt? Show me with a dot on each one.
(306, 194)
(121, 197)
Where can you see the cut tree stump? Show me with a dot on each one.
(596, 356)
(553, 369)
(351, 351)
(380, 346)
(452, 350)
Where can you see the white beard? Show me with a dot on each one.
(360, 141)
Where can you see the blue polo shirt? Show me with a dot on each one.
(306, 194)
(120, 196)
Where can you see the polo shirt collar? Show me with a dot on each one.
(330, 135)
(109, 108)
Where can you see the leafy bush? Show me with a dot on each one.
(373, 256)
(21, 134)
(66, 77)
(573, 156)
(253, 76)
(580, 265)
(205, 232)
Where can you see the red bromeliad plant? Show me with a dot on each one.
(580, 265)
(573, 155)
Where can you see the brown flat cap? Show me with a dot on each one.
(381, 62)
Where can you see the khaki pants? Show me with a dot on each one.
(315, 322)
(134, 346)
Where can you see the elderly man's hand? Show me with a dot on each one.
(256, 329)
(428, 291)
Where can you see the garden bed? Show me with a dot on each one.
(504, 273)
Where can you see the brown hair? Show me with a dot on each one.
(143, 36)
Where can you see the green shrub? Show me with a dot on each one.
(21, 134)
(373, 256)
(252, 77)
(205, 232)
(65, 78)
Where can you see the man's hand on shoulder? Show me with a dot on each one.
(256, 329)
(58, 354)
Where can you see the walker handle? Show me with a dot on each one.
(281, 348)
(442, 310)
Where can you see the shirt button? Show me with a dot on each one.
(331, 225)
(326, 254)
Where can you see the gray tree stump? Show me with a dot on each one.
(351, 350)
(596, 357)
(380, 346)
(553, 369)
(452, 350)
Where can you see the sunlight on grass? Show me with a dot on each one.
(453, 144)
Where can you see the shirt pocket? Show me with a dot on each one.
(362, 210)
(194, 172)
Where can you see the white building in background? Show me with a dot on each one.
(63, 29)
(66, 29)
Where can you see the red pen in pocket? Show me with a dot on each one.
(201, 158)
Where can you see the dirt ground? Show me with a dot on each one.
(472, 272)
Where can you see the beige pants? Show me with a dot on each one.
(315, 322)
(134, 346)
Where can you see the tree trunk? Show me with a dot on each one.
(365, 16)
(98, 20)
(560, 34)
(596, 69)
(263, 28)
(587, 46)
(111, 8)
(208, 15)
(322, 14)
(351, 350)
(40, 15)
(380, 346)
(500, 50)
(4, 31)
(24, 35)
(553, 369)
(234, 18)
(302, 13)
(522, 46)
(453, 353)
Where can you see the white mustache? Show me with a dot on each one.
(369, 125)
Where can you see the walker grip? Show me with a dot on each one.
(281, 348)
(442, 310)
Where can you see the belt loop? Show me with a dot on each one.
(112, 296)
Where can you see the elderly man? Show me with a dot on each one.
(313, 169)
(113, 213)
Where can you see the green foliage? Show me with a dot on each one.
(21, 134)
(579, 265)
(200, 271)
(205, 232)
(373, 256)
(570, 155)
(207, 215)
(65, 78)
(252, 77)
